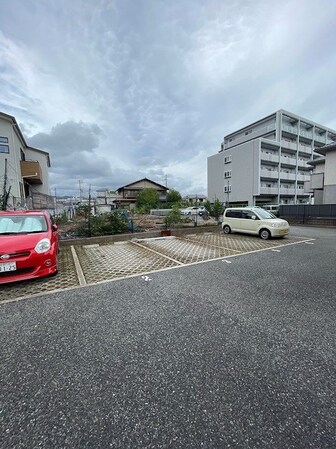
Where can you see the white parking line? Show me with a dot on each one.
(79, 271)
(156, 252)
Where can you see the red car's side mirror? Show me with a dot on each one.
(54, 228)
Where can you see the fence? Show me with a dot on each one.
(308, 210)
(317, 214)
(35, 201)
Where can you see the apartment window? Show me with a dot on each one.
(227, 189)
(227, 159)
(227, 174)
(3, 139)
(4, 148)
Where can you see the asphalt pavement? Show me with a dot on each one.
(233, 353)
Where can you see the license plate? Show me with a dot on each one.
(283, 231)
(9, 266)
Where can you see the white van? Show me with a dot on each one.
(254, 220)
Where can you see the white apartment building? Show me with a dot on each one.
(267, 162)
(23, 169)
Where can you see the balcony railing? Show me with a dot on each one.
(303, 177)
(269, 157)
(318, 138)
(272, 174)
(290, 129)
(307, 134)
(288, 145)
(304, 149)
(288, 160)
(287, 191)
(287, 176)
(269, 190)
(303, 163)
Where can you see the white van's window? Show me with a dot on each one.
(248, 214)
(233, 214)
(265, 214)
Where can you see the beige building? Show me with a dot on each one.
(23, 169)
(127, 195)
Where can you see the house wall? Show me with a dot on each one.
(42, 158)
(13, 157)
(329, 196)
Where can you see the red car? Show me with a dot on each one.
(28, 245)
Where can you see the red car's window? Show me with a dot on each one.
(21, 224)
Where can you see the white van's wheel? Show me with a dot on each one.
(226, 229)
(265, 234)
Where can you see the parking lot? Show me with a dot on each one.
(230, 342)
(90, 264)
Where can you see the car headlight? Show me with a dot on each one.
(43, 246)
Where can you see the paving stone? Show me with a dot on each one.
(123, 259)
(65, 278)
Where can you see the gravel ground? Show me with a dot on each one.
(214, 355)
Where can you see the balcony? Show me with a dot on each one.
(270, 174)
(269, 190)
(321, 139)
(31, 172)
(303, 178)
(288, 160)
(290, 129)
(301, 192)
(270, 157)
(287, 176)
(306, 134)
(305, 150)
(287, 191)
(303, 163)
(269, 143)
(288, 145)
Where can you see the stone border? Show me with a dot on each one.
(138, 235)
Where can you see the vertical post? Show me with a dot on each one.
(89, 216)
(55, 202)
(4, 197)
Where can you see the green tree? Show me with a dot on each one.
(217, 209)
(208, 207)
(148, 199)
(174, 197)
(173, 217)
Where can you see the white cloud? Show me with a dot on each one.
(156, 85)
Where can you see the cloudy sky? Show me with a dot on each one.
(117, 90)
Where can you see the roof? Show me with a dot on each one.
(326, 148)
(284, 112)
(18, 131)
(143, 179)
(315, 162)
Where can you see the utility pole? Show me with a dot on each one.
(80, 191)
(55, 202)
(4, 196)
(196, 210)
(89, 215)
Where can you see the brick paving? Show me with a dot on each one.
(129, 258)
